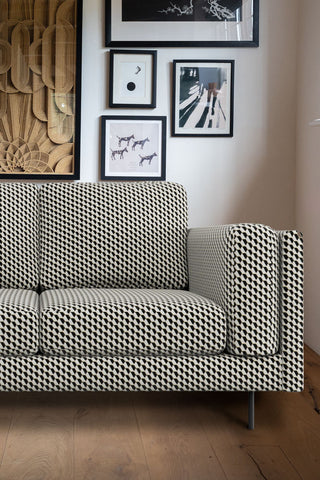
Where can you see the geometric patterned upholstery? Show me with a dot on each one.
(19, 235)
(222, 372)
(130, 322)
(19, 322)
(123, 319)
(113, 235)
(237, 266)
(291, 309)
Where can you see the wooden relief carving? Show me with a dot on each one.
(40, 58)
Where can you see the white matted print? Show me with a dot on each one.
(203, 98)
(133, 148)
(133, 78)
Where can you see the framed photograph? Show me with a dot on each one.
(133, 75)
(133, 148)
(182, 23)
(202, 98)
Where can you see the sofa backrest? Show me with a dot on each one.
(19, 235)
(113, 235)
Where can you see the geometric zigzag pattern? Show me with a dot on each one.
(19, 235)
(291, 310)
(225, 253)
(130, 322)
(19, 322)
(113, 235)
(140, 373)
(237, 266)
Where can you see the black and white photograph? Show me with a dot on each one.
(174, 23)
(133, 148)
(203, 98)
(182, 10)
(133, 75)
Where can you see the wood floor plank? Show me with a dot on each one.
(238, 464)
(7, 406)
(272, 463)
(283, 419)
(312, 379)
(107, 441)
(175, 444)
(40, 440)
(301, 442)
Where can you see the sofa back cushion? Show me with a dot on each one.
(113, 235)
(19, 231)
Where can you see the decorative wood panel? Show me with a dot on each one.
(40, 74)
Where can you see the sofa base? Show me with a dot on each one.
(185, 373)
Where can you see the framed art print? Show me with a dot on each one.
(203, 98)
(182, 23)
(133, 75)
(40, 89)
(133, 148)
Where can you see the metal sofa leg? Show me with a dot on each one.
(251, 411)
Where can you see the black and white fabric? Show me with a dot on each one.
(113, 235)
(291, 309)
(115, 312)
(19, 236)
(237, 266)
(140, 373)
(19, 322)
(130, 322)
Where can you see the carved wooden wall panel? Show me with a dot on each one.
(40, 63)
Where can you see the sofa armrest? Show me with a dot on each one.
(291, 309)
(240, 268)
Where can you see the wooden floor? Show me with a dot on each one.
(162, 436)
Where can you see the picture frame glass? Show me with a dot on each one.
(40, 90)
(195, 22)
(203, 98)
(133, 148)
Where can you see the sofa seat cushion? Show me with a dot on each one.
(92, 321)
(19, 322)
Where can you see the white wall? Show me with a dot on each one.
(308, 163)
(250, 177)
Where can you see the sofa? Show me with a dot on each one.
(104, 288)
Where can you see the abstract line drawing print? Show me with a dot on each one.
(131, 149)
(203, 97)
(147, 158)
(119, 153)
(140, 143)
(125, 140)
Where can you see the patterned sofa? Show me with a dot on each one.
(102, 287)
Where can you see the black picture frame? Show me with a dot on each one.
(243, 31)
(133, 79)
(133, 147)
(203, 98)
(77, 115)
